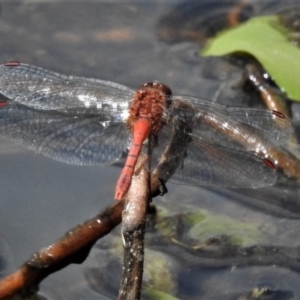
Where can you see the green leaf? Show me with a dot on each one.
(266, 40)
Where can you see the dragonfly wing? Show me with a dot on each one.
(200, 154)
(170, 151)
(215, 165)
(74, 139)
(42, 89)
(215, 122)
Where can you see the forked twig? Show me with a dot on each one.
(74, 247)
(135, 209)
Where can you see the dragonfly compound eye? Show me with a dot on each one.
(165, 89)
(158, 86)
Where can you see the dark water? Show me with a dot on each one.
(128, 43)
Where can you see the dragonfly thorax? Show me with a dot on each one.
(149, 102)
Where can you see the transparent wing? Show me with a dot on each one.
(202, 163)
(215, 165)
(226, 147)
(42, 89)
(87, 139)
(81, 121)
(233, 127)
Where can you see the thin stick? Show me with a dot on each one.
(233, 16)
(72, 248)
(133, 230)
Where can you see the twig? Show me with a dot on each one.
(233, 15)
(72, 248)
(133, 230)
(137, 202)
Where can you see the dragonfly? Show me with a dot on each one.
(85, 121)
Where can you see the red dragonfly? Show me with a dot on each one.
(84, 121)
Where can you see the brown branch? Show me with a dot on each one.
(133, 230)
(134, 213)
(72, 248)
(233, 15)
